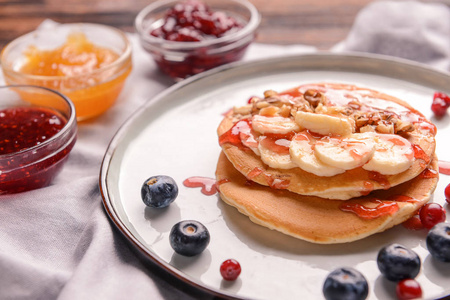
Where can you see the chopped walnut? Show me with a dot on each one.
(361, 121)
(269, 111)
(270, 93)
(261, 104)
(242, 110)
(285, 111)
(403, 127)
(385, 127)
(367, 128)
(313, 97)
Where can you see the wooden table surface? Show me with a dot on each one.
(320, 23)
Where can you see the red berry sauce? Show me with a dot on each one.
(194, 21)
(444, 167)
(22, 128)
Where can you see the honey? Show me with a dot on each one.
(81, 70)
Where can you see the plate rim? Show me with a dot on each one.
(119, 134)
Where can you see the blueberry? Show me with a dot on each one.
(189, 237)
(159, 191)
(345, 283)
(438, 242)
(397, 262)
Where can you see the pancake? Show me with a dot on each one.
(353, 182)
(316, 219)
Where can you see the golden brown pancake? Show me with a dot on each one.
(351, 183)
(316, 219)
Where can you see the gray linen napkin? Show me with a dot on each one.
(407, 29)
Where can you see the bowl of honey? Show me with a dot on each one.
(88, 63)
(35, 139)
(187, 37)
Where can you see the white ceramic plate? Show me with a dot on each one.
(175, 134)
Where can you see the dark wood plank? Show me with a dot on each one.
(318, 23)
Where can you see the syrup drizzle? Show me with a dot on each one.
(209, 186)
(273, 182)
(420, 154)
(444, 167)
(233, 135)
(380, 178)
(383, 208)
(429, 173)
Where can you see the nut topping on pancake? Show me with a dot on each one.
(328, 130)
(312, 111)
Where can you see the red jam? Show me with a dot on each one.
(429, 173)
(420, 154)
(380, 178)
(241, 133)
(194, 21)
(275, 183)
(444, 167)
(209, 186)
(22, 128)
(382, 208)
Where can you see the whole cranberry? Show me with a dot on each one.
(447, 193)
(408, 289)
(230, 269)
(431, 214)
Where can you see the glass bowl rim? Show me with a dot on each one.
(71, 121)
(249, 28)
(123, 56)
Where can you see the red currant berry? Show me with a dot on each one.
(442, 96)
(431, 214)
(447, 193)
(408, 289)
(440, 104)
(230, 269)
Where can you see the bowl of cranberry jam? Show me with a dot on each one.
(187, 37)
(35, 140)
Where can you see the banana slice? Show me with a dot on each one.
(324, 124)
(393, 154)
(278, 125)
(346, 153)
(275, 153)
(302, 154)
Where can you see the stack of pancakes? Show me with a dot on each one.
(267, 185)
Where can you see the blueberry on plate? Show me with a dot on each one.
(189, 237)
(159, 191)
(345, 283)
(438, 242)
(397, 262)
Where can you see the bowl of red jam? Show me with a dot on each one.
(87, 62)
(35, 139)
(187, 37)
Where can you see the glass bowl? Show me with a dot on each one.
(35, 139)
(181, 59)
(92, 89)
